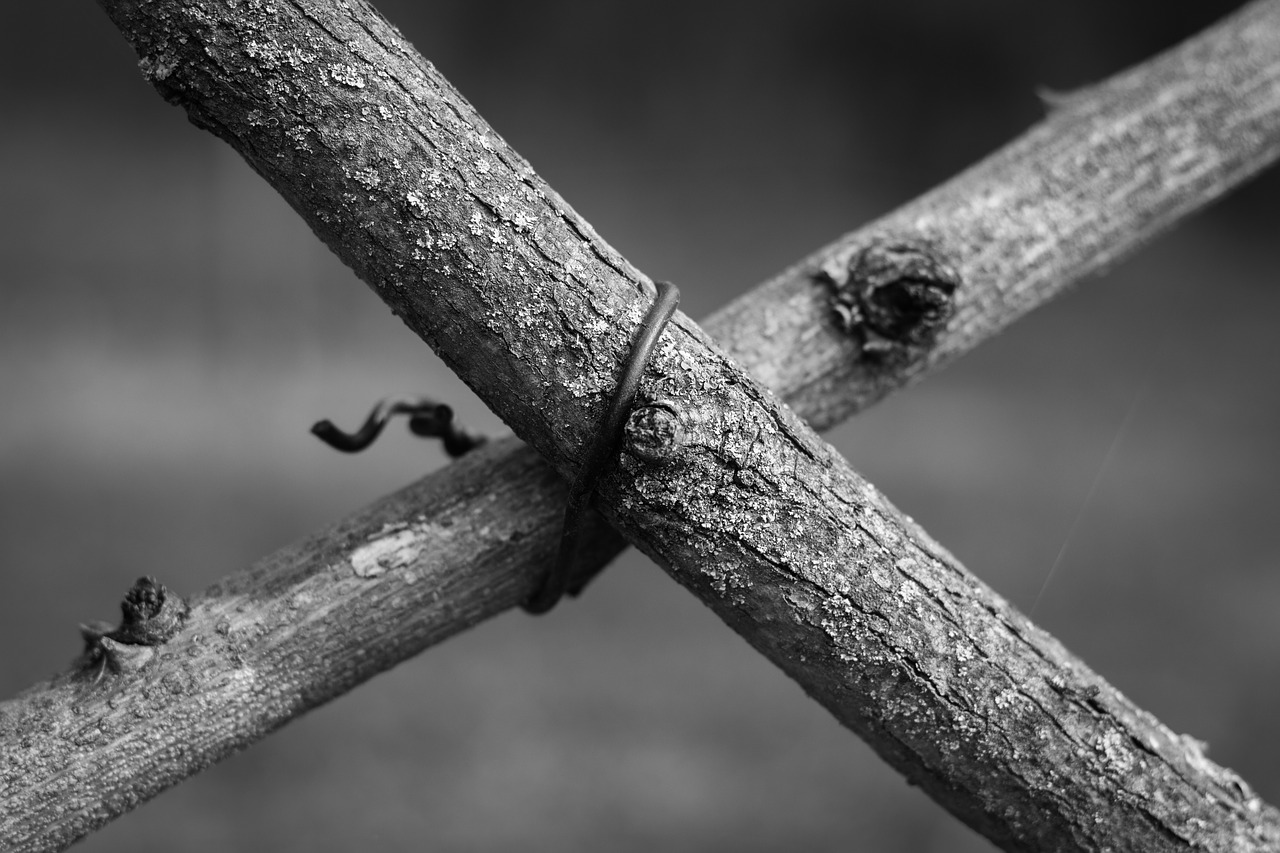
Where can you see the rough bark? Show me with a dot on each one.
(896, 640)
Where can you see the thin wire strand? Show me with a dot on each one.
(1093, 488)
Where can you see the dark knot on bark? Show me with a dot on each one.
(897, 295)
(654, 432)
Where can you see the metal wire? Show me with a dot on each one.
(604, 447)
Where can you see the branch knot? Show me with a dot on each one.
(896, 294)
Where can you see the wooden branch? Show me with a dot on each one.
(324, 585)
(261, 647)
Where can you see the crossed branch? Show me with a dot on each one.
(719, 481)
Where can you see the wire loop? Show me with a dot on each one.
(603, 448)
(431, 419)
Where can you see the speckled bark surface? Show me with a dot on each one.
(741, 501)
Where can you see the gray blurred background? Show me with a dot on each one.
(169, 330)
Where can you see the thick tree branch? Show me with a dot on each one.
(926, 677)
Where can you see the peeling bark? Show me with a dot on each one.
(732, 493)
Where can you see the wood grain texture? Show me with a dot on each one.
(750, 510)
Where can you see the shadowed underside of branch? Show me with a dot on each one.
(744, 506)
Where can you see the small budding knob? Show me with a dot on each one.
(653, 432)
(152, 614)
